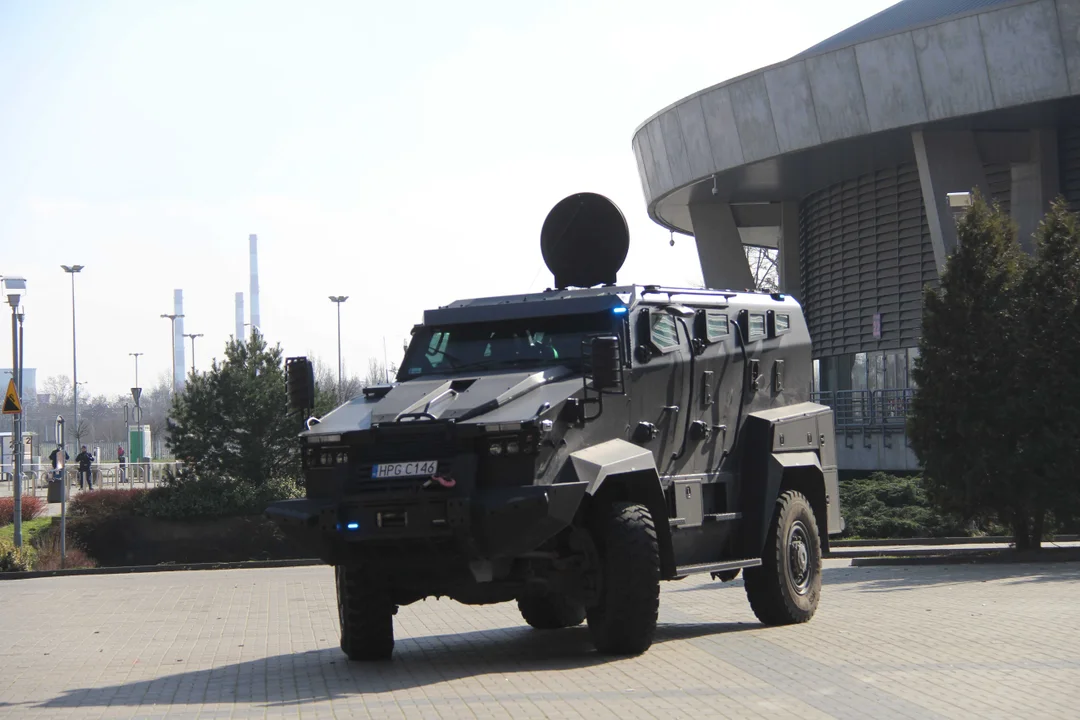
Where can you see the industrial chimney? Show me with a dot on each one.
(254, 242)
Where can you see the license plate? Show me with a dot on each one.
(417, 468)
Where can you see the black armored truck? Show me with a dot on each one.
(570, 449)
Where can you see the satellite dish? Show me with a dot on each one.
(584, 240)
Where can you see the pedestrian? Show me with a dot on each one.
(122, 459)
(85, 459)
(58, 474)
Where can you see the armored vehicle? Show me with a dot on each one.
(570, 449)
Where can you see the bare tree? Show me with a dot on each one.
(764, 267)
(379, 373)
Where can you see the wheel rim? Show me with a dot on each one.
(800, 566)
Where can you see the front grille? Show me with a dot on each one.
(396, 443)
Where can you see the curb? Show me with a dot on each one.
(981, 557)
(945, 541)
(120, 570)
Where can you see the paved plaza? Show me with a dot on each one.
(987, 641)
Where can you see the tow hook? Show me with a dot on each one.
(440, 480)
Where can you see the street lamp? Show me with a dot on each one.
(192, 336)
(71, 270)
(337, 300)
(173, 319)
(14, 289)
(136, 356)
(136, 395)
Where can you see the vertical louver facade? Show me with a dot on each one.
(865, 248)
(1069, 146)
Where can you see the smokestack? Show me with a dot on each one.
(239, 317)
(253, 240)
(178, 339)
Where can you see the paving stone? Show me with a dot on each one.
(887, 642)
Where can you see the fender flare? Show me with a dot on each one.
(621, 470)
(799, 471)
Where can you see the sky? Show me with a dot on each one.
(403, 154)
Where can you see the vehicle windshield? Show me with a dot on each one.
(499, 345)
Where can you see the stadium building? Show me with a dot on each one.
(842, 157)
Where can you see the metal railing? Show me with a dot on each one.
(111, 476)
(868, 410)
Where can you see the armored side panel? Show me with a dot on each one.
(788, 447)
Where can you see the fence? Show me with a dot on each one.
(113, 476)
(868, 410)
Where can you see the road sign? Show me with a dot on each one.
(136, 393)
(12, 404)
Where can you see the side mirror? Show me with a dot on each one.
(606, 365)
(300, 383)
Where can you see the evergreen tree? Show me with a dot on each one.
(233, 423)
(1049, 423)
(962, 421)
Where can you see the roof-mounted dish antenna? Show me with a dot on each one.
(584, 241)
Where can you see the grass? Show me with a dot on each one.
(30, 530)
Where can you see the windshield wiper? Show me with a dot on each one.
(502, 362)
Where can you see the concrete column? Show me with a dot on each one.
(790, 269)
(1035, 184)
(720, 250)
(948, 162)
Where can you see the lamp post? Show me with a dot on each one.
(71, 270)
(136, 356)
(337, 300)
(173, 318)
(192, 336)
(137, 412)
(14, 288)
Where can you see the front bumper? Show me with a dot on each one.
(491, 524)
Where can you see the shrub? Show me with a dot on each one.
(886, 506)
(47, 547)
(13, 559)
(188, 496)
(32, 507)
(102, 503)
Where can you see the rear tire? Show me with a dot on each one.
(366, 614)
(786, 588)
(547, 611)
(623, 622)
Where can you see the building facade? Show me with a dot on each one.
(842, 157)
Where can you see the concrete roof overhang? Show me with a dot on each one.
(789, 129)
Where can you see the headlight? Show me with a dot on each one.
(527, 444)
(327, 457)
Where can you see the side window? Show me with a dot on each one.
(779, 323)
(756, 326)
(711, 326)
(716, 325)
(662, 331)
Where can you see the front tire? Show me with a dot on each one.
(623, 622)
(366, 614)
(547, 611)
(786, 588)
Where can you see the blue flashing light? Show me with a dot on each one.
(618, 310)
(353, 526)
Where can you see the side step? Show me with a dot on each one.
(716, 567)
(677, 522)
